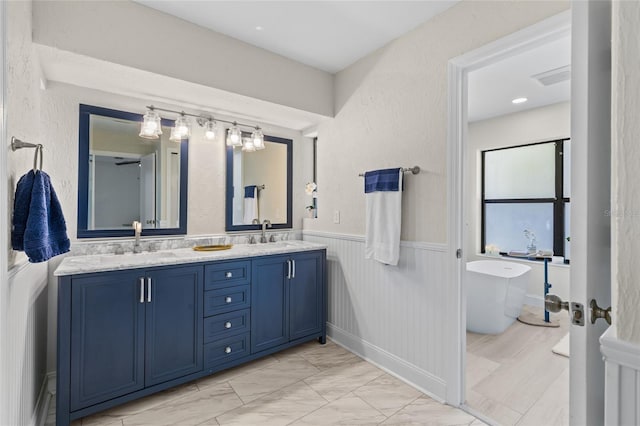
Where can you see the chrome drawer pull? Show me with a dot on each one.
(149, 289)
(228, 299)
(141, 280)
(229, 274)
(227, 325)
(227, 350)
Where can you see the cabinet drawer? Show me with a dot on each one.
(226, 325)
(226, 274)
(226, 350)
(226, 300)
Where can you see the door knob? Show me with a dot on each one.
(598, 312)
(553, 303)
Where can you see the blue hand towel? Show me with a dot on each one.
(39, 227)
(250, 191)
(382, 180)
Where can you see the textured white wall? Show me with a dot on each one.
(130, 34)
(391, 111)
(22, 101)
(59, 115)
(24, 322)
(625, 161)
(535, 125)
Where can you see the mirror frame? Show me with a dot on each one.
(229, 226)
(83, 177)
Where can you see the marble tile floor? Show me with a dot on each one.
(311, 384)
(514, 378)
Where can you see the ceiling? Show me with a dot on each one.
(492, 88)
(328, 35)
(331, 35)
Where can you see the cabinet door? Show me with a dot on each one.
(305, 295)
(269, 307)
(173, 323)
(107, 337)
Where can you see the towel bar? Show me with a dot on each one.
(17, 144)
(414, 170)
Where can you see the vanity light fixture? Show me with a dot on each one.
(519, 100)
(247, 145)
(257, 138)
(151, 127)
(181, 129)
(210, 129)
(234, 136)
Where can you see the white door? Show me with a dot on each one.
(590, 199)
(148, 191)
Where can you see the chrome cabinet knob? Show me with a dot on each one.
(228, 299)
(229, 274)
(227, 325)
(227, 350)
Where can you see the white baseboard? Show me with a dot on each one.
(422, 380)
(51, 382)
(42, 405)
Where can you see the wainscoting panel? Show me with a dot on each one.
(26, 340)
(622, 380)
(390, 315)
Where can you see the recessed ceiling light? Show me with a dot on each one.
(519, 100)
(259, 28)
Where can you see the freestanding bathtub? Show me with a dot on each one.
(495, 294)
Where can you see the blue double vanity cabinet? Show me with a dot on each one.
(132, 325)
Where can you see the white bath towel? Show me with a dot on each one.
(383, 193)
(250, 204)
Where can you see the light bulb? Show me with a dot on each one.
(175, 136)
(210, 130)
(183, 127)
(234, 137)
(257, 138)
(150, 128)
(247, 145)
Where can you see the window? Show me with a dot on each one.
(527, 188)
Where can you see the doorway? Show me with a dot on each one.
(503, 381)
(590, 280)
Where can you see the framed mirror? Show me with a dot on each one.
(123, 177)
(259, 186)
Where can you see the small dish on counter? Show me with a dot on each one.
(214, 247)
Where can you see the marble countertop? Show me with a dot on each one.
(71, 265)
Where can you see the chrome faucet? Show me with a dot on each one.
(265, 224)
(137, 229)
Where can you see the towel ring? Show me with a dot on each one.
(35, 158)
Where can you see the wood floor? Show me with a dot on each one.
(515, 379)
